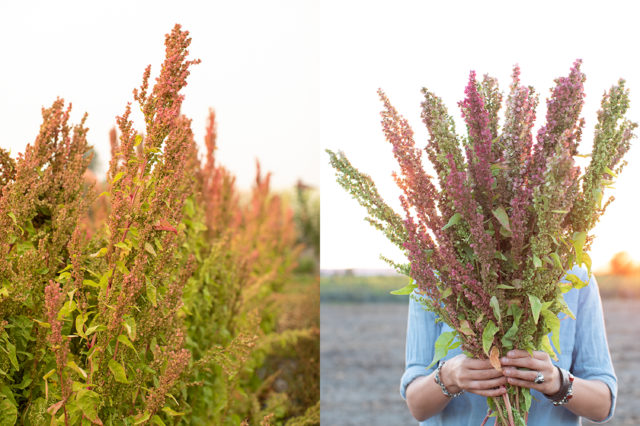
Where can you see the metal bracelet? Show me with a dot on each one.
(566, 388)
(442, 386)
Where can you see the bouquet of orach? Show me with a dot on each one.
(490, 247)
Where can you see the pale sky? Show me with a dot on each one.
(404, 46)
(259, 71)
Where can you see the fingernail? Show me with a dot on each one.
(504, 359)
(510, 353)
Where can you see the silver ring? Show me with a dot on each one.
(539, 379)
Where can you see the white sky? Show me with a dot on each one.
(403, 46)
(259, 71)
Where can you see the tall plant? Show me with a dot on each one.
(489, 248)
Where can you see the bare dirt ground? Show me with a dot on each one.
(362, 359)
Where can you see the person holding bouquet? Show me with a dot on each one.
(503, 298)
(468, 381)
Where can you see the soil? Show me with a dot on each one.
(362, 360)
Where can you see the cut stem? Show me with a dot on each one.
(484, 422)
(507, 403)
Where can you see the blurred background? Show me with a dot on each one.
(259, 71)
(435, 45)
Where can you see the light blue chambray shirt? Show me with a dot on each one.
(583, 344)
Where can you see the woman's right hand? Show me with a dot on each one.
(473, 375)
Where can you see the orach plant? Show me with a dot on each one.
(152, 302)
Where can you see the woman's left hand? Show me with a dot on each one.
(539, 363)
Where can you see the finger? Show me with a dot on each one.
(487, 384)
(533, 364)
(490, 392)
(528, 375)
(518, 353)
(523, 383)
(491, 373)
(541, 355)
(477, 364)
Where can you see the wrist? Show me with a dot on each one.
(447, 377)
(555, 382)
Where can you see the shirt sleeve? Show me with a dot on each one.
(591, 357)
(422, 332)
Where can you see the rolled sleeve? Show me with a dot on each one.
(422, 332)
(591, 356)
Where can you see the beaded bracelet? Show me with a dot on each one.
(442, 386)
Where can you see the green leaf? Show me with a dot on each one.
(560, 211)
(502, 217)
(597, 195)
(107, 193)
(465, 328)
(156, 420)
(12, 355)
(526, 393)
(496, 308)
(610, 172)
(515, 311)
(68, 307)
(13, 217)
(118, 371)
(8, 413)
(546, 346)
(536, 306)
(117, 178)
(499, 255)
(99, 253)
(141, 418)
(94, 328)
(123, 246)
(122, 268)
(553, 323)
(80, 319)
(125, 341)
(576, 281)
(507, 339)
(446, 293)
(579, 238)
(537, 262)
(565, 308)
(454, 220)
(487, 336)
(442, 346)
(90, 283)
(407, 289)
(72, 365)
(506, 287)
(88, 401)
(151, 293)
(130, 326)
(586, 259)
(556, 260)
(149, 248)
(172, 412)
